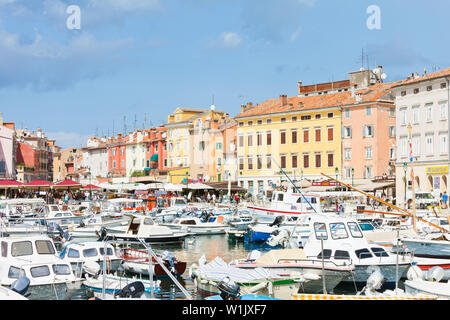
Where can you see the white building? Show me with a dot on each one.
(422, 107)
(136, 153)
(95, 159)
(7, 152)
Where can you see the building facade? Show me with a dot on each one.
(7, 150)
(422, 121)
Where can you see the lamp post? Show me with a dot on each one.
(404, 170)
(353, 174)
(336, 170)
(90, 187)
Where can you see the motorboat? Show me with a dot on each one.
(78, 253)
(137, 262)
(429, 283)
(207, 276)
(61, 215)
(284, 262)
(240, 221)
(90, 226)
(142, 228)
(17, 209)
(195, 226)
(285, 203)
(338, 238)
(36, 258)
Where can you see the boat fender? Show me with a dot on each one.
(204, 281)
(258, 287)
(435, 274)
(414, 273)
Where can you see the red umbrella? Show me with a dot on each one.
(38, 183)
(90, 187)
(67, 184)
(4, 184)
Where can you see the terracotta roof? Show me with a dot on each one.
(438, 74)
(370, 94)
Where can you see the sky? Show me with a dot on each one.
(133, 62)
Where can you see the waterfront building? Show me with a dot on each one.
(422, 108)
(95, 160)
(67, 165)
(229, 155)
(156, 153)
(117, 156)
(136, 154)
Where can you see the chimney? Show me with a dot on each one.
(283, 99)
(299, 87)
(249, 105)
(243, 108)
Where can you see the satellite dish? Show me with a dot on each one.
(383, 76)
(213, 107)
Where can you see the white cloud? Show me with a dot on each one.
(230, 39)
(296, 34)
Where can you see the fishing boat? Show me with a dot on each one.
(17, 209)
(208, 276)
(36, 258)
(78, 253)
(339, 239)
(142, 227)
(137, 262)
(195, 226)
(283, 262)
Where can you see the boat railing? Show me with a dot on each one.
(316, 261)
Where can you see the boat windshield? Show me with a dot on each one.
(21, 248)
(41, 271)
(366, 226)
(61, 269)
(44, 247)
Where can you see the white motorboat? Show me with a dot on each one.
(195, 226)
(90, 226)
(36, 258)
(284, 262)
(61, 216)
(17, 209)
(285, 204)
(341, 239)
(78, 253)
(142, 227)
(429, 283)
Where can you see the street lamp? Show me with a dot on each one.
(353, 174)
(404, 170)
(336, 170)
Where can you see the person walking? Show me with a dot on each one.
(445, 199)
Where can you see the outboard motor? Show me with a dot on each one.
(53, 227)
(276, 223)
(21, 285)
(102, 233)
(228, 289)
(82, 224)
(132, 290)
(170, 258)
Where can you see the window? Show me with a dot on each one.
(269, 161)
(306, 161)
(403, 146)
(368, 152)
(330, 132)
(354, 230)
(443, 147)
(269, 138)
(347, 132)
(283, 137)
(403, 93)
(347, 113)
(317, 116)
(41, 271)
(368, 172)
(415, 114)
(368, 110)
(341, 255)
(403, 116)
(392, 153)
(428, 112)
(294, 135)
(15, 273)
(241, 140)
(348, 172)
(109, 251)
(241, 163)
(429, 144)
(259, 138)
(73, 253)
(61, 269)
(249, 139)
(241, 124)
(269, 121)
(283, 161)
(429, 88)
(92, 252)
(305, 135)
(258, 162)
(443, 85)
(379, 252)
(392, 112)
(294, 118)
(326, 254)
(201, 145)
(4, 248)
(250, 123)
(283, 119)
(392, 131)
(330, 160)
(347, 154)
(294, 161)
(259, 122)
(320, 229)
(123, 163)
(415, 144)
(368, 131)
(318, 158)
(330, 114)
(250, 163)
(338, 231)
(363, 253)
(21, 248)
(44, 247)
(416, 91)
(307, 117)
(318, 134)
(443, 110)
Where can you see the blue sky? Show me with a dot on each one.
(136, 58)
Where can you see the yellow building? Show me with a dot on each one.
(302, 135)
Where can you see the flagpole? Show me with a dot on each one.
(412, 180)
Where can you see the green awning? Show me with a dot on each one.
(154, 157)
